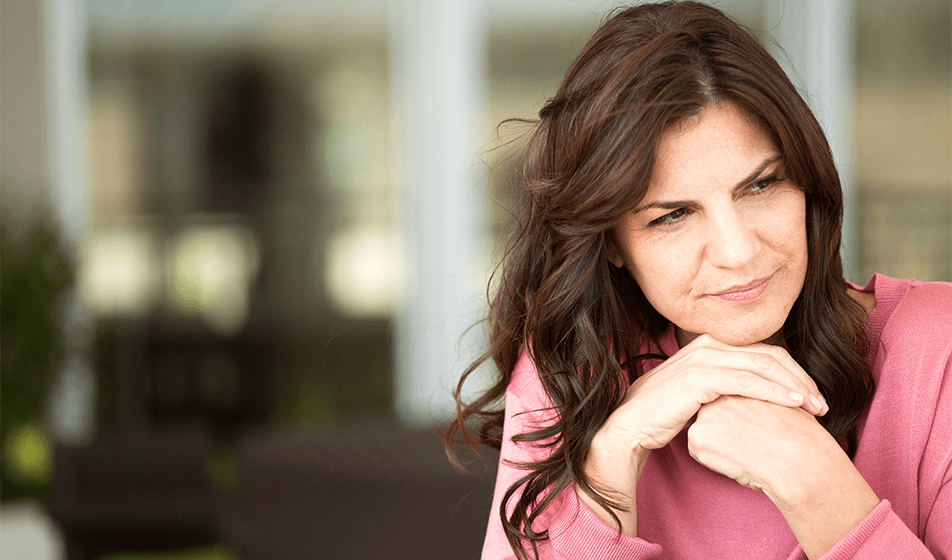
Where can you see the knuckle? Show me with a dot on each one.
(704, 354)
(691, 377)
(696, 380)
(694, 431)
(745, 379)
(705, 341)
(694, 452)
(782, 392)
(695, 443)
(780, 352)
(701, 378)
(763, 361)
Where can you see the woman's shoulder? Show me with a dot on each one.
(525, 386)
(911, 308)
(912, 349)
(930, 301)
(528, 407)
(525, 375)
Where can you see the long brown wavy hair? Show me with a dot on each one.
(588, 163)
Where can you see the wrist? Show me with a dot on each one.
(824, 502)
(613, 455)
(613, 468)
(802, 476)
(619, 444)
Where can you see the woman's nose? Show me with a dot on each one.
(732, 242)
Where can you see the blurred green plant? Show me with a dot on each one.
(222, 468)
(35, 272)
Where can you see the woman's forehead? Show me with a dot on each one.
(721, 144)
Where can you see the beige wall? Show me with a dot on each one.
(24, 148)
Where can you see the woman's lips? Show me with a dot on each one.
(747, 292)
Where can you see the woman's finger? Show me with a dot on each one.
(742, 383)
(764, 373)
(785, 359)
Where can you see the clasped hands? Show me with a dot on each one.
(753, 417)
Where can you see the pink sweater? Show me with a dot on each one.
(688, 511)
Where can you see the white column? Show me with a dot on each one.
(72, 397)
(66, 75)
(818, 37)
(438, 74)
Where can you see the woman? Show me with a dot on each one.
(686, 373)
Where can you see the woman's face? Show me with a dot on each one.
(719, 244)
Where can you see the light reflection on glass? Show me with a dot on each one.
(211, 268)
(119, 274)
(364, 271)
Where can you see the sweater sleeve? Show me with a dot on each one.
(575, 531)
(919, 338)
(883, 536)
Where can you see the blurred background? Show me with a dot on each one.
(246, 244)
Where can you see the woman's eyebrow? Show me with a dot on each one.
(675, 204)
(756, 173)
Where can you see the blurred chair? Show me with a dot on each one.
(135, 492)
(364, 492)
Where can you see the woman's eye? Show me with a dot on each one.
(762, 184)
(669, 218)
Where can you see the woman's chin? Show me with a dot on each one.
(734, 337)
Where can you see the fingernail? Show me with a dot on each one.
(826, 407)
(817, 403)
(797, 397)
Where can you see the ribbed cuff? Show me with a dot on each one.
(575, 531)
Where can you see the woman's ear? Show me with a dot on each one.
(613, 254)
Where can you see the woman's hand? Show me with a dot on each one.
(758, 444)
(785, 453)
(660, 403)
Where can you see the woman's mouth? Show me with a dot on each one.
(746, 292)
